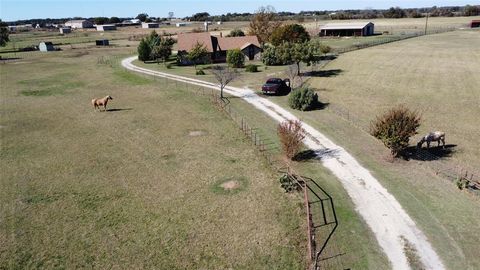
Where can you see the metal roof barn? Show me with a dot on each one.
(347, 29)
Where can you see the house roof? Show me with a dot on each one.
(228, 43)
(343, 26)
(77, 21)
(186, 41)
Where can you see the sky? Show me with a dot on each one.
(11, 10)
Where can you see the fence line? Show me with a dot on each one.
(389, 39)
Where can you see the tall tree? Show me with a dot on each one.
(263, 23)
(100, 20)
(224, 76)
(201, 16)
(198, 53)
(471, 10)
(142, 17)
(3, 34)
(163, 50)
(114, 20)
(144, 50)
(289, 33)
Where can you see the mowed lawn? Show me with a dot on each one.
(139, 186)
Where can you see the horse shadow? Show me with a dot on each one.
(119, 110)
(429, 154)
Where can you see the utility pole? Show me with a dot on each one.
(426, 24)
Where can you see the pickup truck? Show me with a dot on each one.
(276, 86)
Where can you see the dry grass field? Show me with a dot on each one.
(435, 75)
(139, 186)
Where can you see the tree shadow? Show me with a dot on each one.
(119, 110)
(9, 58)
(323, 73)
(428, 154)
(315, 155)
(327, 57)
(321, 105)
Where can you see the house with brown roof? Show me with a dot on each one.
(218, 46)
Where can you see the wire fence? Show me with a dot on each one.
(450, 170)
(392, 38)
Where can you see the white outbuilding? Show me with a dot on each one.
(106, 27)
(79, 24)
(46, 46)
(150, 25)
(65, 30)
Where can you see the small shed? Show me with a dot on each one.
(347, 29)
(150, 25)
(181, 24)
(46, 46)
(106, 27)
(65, 30)
(102, 42)
(475, 23)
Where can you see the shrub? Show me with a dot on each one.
(291, 135)
(200, 72)
(303, 99)
(144, 51)
(287, 183)
(236, 33)
(235, 58)
(395, 127)
(251, 68)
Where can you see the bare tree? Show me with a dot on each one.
(224, 75)
(292, 74)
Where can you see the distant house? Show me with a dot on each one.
(106, 27)
(180, 24)
(46, 46)
(150, 25)
(102, 42)
(79, 24)
(218, 46)
(475, 23)
(347, 29)
(65, 30)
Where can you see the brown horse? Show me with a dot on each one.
(97, 102)
(437, 136)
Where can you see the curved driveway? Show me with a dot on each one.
(380, 210)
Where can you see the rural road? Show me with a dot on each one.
(380, 210)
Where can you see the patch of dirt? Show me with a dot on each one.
(196, 133)
(230, 185)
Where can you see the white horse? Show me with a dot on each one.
(437, 136)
